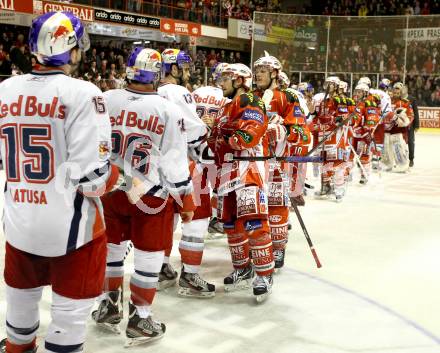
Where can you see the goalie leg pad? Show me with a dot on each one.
(400, 152)
(388, 155)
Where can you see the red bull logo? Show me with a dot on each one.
(60, 32)
(64, 29)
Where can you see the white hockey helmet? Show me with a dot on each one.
(362, 87)
(284, 80)
(365, 80)
(239, 70)
(333, 80)
(270, 61)
(343, 86)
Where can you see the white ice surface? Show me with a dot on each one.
(377, 292)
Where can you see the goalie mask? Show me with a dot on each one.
(400, 91)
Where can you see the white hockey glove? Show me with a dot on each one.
(267, 98)
(402, 119)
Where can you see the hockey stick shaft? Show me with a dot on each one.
(306, 234)
(358, 160)
(288, 159)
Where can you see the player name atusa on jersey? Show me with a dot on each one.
(29, 106)
(130, 119)
(37, 197)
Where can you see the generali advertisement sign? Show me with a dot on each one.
(429, 117)
(25, 6)
(168, 25)
(84, 13)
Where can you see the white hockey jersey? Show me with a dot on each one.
(385, 100)
(194, 128)
(302, 102)
(317, 100)
(209, 100)
(146, 133)
(55, 137)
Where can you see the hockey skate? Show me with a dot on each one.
(363, 180)
(325, 191)
(110, 312)
(3, 347)
(262, 287)
(215, 229)
(140, 331)
(239, 279)
(167, 277)
(279, 259)
(192, 285)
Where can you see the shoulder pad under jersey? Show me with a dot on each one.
(291, 96)
(252, 100)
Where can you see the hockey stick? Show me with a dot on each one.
(229, 157)
(358, 160)
(306, 234)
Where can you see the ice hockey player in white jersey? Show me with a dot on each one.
(55, 147)
(147, 137)
(176, 72)
(209, 100)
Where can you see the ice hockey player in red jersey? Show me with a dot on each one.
(242, 203)
(55, 147)
(331, 110)
(287, 134)
(368, 113)
(396, 155)
(146, 136)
